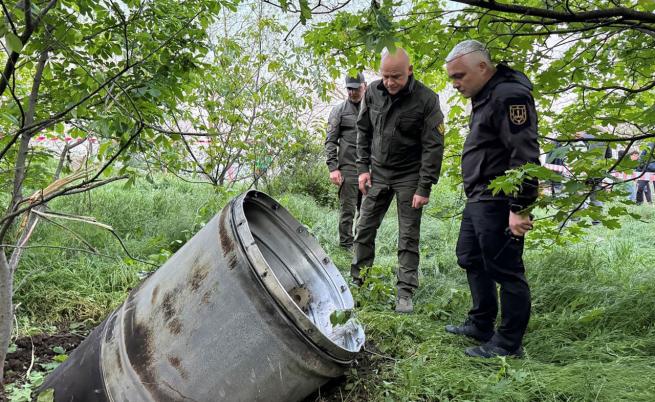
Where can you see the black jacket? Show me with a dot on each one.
(503, 136)
(400, 138)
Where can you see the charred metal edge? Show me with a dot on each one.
(281, 308)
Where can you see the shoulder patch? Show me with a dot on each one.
(441, 128)
(517, 113)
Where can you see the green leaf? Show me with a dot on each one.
(305, 11)
(648, 5)
(340, 317)
(59, 350)
(13, 42)
(129, 183)
(46, 396)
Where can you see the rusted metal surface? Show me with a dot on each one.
(240, 313)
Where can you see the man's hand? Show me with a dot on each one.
(335, 177)
(418, 201)
(519, 224)
(364, 182)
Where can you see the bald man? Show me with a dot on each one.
(399, 151)
(503, 136)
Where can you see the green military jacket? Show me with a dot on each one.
(400, 138)
(341, 142)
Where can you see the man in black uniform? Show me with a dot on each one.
(341, 152)
(399, 152)
(490, 246)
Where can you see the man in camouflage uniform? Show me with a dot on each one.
(341, 151)
(399, 153)
(503, 136)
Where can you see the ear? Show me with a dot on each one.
(411, 69)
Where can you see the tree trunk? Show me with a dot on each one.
(6, 312)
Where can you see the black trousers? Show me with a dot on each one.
(643, 189)
(490, 256)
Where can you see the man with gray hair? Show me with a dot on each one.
(503, 136)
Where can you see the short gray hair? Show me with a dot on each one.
(466, 47)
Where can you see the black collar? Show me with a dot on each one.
(502, 74)
(495, 79)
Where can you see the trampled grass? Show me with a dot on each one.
(591, 335)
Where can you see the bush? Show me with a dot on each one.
(309, 176)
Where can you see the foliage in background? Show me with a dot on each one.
(591, 64)
(94, 69)
(252, 103)
(306, 173)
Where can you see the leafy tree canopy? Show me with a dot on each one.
(591, 61)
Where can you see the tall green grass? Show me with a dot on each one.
(57, 286)
(591, 336)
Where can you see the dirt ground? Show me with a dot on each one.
(351, 387)
(36, 349)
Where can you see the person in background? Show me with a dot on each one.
(646, 165)
(594, 182)
(555, 186)
(341, 153)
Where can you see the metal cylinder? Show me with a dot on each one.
(240, 313)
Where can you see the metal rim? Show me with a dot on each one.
(297, 233)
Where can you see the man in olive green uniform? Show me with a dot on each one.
(399, 152)
(341, 151)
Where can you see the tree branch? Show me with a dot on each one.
(24, 38)
(8, 16)
(605, 88)
(583, 16)
(76, 189)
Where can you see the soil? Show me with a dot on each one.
(351, 387)
(41, 346)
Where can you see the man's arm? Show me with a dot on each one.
(364, 136)
(332, 140)
(432, 141)
(516, 120)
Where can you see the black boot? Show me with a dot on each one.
(471, 330)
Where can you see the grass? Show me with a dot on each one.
(58, 286)
(591, 336)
